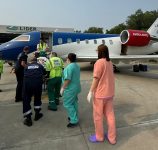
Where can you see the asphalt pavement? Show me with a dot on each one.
(136, 110)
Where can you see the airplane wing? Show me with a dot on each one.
(123, 58)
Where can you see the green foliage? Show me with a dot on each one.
(138, 21)
(117, 29)
(94, 30)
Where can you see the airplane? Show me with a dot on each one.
(128, 46)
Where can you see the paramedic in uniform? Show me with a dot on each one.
(32, 86)
(55, 66)
(42, 47)
(19, 72)
(1, 70)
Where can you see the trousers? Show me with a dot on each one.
(54, 86)
(31, 87)
(104, 109)
(70, 102)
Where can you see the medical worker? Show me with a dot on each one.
(55, 67)
(70, 89)
(21, 63)
(1, 70)
(102, 91)
(42, 48)
(32, 86)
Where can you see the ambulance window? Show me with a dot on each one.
(103, 42)
(95, 41)
(78, 41)
(86, 41)
(60, 40)
(69, 40)
(23, 38)
(111, 42)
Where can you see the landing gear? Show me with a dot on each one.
(116, 70)
(140, 67)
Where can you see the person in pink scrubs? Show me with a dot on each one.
(102, 92)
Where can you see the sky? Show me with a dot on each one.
(77, 14)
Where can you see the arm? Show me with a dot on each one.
(94, 84)
(23, 63)
(66, 82)
(92, 88)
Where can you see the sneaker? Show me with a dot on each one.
(93, 139)
(53, 109)
(106, 137)
(38, 116)
(57, 101)
(28, 122)
(72, 125)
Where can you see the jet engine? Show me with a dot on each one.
(134, 38)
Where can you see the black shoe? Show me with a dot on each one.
(72, 125)
(53, 109)
(28, 122)
(38, 116)
(68, 118)
(0, 90)
(57, 101)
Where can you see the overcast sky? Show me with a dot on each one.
(77, 14)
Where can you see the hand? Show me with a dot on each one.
(13, 70)
(89, 96)
(61, 91)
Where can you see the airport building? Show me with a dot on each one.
(8, 32)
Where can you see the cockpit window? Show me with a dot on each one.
(23, 38)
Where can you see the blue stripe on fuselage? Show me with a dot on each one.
(82, 36)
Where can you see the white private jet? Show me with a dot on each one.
(128, 46)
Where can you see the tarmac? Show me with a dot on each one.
(136, 110)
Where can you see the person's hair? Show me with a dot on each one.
(103, 52)
(72, 57)
(26, 48)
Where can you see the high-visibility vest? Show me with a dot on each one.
(55, 66)
(1, 66)
(42, 47)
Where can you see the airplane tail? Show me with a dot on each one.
(153, 30)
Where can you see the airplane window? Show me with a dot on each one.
(69, 40)
(22, 38)
(103, 42)
(111, 42)
(60, 41)
(95, 41)
(78, 41)
(86, 41)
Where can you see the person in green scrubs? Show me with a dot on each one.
(70, 89)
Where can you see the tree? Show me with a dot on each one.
(117, 29)
(94, 30)
(140, 20)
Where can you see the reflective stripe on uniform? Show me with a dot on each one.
(28, 112)
(52, 101)
(37, 107)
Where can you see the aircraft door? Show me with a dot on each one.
(47, 37)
